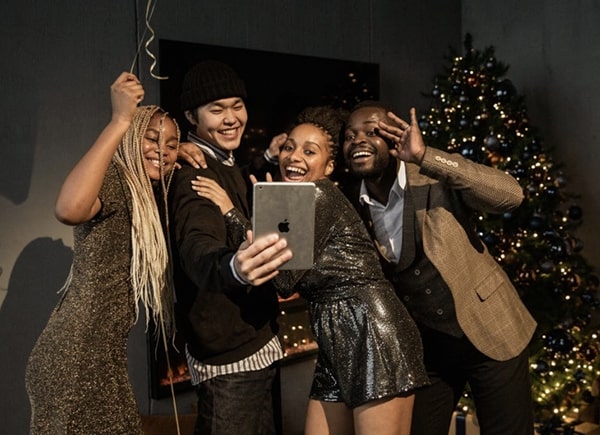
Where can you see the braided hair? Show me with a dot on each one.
(328, 119)
(151, 268)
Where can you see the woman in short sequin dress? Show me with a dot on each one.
(370, 357)
(76, 376)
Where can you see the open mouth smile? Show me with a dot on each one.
(293, 172)
(359, 155)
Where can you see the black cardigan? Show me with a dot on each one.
(222, 320)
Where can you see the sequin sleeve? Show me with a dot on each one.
(237, 225)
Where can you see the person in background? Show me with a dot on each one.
(76, 376)
(370, 357)
(226, 307)
(418, 203)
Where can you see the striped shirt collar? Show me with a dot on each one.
(224, 157)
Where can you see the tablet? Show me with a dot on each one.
(288, 209)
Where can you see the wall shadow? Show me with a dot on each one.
(39, 272)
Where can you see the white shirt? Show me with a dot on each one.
(387, 219)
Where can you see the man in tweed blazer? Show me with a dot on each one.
(418, 204)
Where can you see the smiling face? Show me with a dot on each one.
(306, 154)
(221, 122)
(365, 152)
(159, 146)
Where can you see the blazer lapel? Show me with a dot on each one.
(407, 253)
(415, 207)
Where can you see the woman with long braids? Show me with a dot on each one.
(76, 376)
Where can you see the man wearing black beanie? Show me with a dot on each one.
(226, 307)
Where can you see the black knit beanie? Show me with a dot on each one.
(208, 81)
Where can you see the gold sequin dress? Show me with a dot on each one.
(76, 376)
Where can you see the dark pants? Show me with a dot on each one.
(501, 389)
(240, 403)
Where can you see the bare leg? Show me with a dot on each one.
(385, 416)
(324, 418)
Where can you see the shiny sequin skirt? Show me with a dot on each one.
(368, 350)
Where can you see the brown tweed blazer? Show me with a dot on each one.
(444, 191)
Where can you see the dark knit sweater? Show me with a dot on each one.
(222, 320)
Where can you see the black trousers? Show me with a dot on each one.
(237, 404)
(501, 389)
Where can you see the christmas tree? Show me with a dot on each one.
(475, 110)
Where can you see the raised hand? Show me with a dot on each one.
(125, 94)
(407, 138)
(254, 180)
(276, 144)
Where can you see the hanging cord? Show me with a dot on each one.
(170, 375)
(165, 188)
(150, 6)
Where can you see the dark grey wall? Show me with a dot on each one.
(553, 49)
(59, 59)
